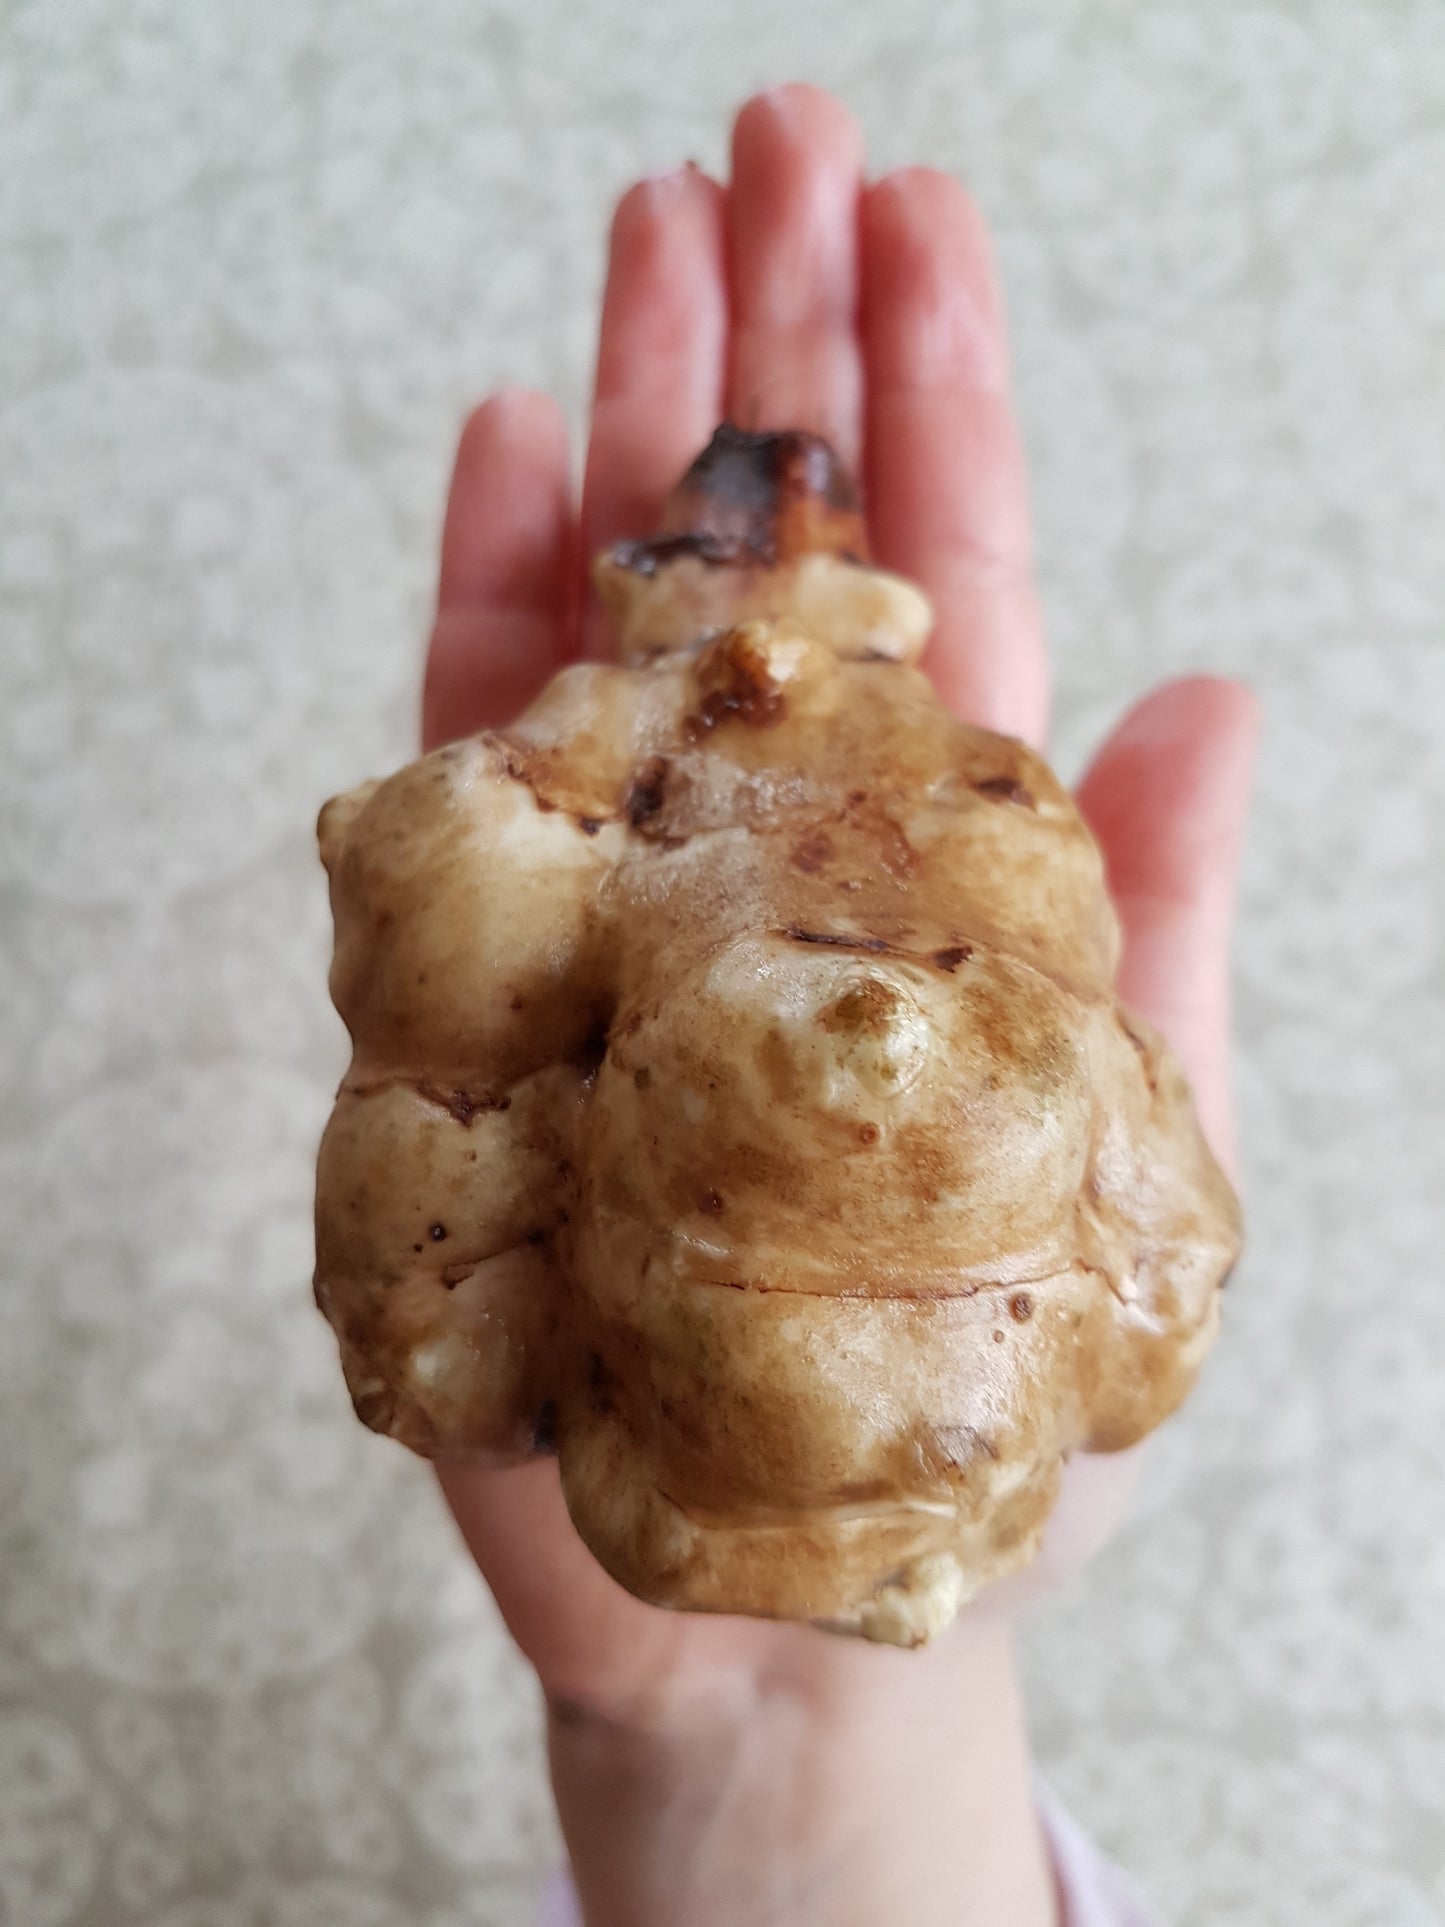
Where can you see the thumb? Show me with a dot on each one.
(1167, 797)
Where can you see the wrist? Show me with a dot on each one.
(839, 1784)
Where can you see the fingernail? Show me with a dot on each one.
(669, 181)
(1175, 712)
(784, 100)
(508, 406)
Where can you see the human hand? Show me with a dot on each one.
(738, 1770)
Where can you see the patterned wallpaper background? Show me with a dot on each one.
(257, 259)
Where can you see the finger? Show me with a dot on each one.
(587, 1638)
(796, 360)
(506, 546)
(1167, 798)
(660, 357)
(1095, 1495)
(947, 495)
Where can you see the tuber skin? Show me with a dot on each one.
(740, 1105)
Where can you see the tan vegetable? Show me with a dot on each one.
(739, 1099)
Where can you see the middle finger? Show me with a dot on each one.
(795, 359)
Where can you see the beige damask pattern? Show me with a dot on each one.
(257, 258)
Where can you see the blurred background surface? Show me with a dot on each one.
(258, 260)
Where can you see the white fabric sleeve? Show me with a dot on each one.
(1095, 1893)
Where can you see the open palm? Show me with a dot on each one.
(801, 296)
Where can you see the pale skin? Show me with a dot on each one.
(730, 1771)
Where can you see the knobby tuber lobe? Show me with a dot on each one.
(740, 1106)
